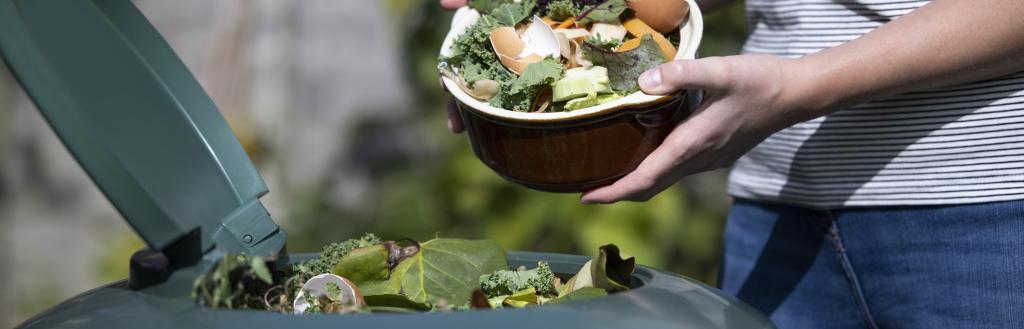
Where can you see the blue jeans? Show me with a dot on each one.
(958, 266)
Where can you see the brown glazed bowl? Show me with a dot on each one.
(577, 150)
(574, 155)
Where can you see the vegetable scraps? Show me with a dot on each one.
(560, 55)
(371, 275)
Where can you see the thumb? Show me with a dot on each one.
(704, 74)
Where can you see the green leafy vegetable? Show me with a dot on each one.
(473, 72)
(233, 282)
(625, 67)
(580, 82)
(522, 298)
(606, 44)
(506, 282)
(511, 14)
(605, 12)
(561, 10)
(608, 271)
(332, 253)
(364, 265)
(472, 53)
(519, 94)
(611, 271)
(590, 100)
(370, 268)
(448, 269)
(486, 6)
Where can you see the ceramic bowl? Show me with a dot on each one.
(577, 150)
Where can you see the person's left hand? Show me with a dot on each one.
(747, 98)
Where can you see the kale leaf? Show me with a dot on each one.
(518, 94)
(486, 6)
(561, 10)
(506, 282)
(511, 14)
(606, 12)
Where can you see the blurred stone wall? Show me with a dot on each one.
(292, 78)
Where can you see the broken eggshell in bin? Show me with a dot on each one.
(516, 51)
(317, 287)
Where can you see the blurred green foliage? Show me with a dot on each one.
(113, 265)
(450, 193)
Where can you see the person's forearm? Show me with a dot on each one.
(944, 43)
(711, 5)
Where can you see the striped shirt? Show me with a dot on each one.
(962, 144)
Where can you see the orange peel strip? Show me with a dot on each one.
(638, 28)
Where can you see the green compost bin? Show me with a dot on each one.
(147, 134)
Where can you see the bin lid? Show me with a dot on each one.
(140, 125)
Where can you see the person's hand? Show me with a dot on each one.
(747, 99)
(454, 120)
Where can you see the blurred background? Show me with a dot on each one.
(338, 104)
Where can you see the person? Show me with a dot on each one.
(878, 160)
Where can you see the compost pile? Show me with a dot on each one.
(372, 275)
(560, 55)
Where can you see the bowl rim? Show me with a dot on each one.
(691, 33)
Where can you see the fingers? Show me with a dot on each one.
(704, 74)
(655, 174)
(452, 4)
(454, 120)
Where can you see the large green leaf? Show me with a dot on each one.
(448, 269)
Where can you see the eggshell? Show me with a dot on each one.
(317, 286)
(505, 41)
(516, 53)
(539, 39)
(662, 15)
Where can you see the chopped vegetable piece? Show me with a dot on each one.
(590, 100)
(522, 298)
(580, 82)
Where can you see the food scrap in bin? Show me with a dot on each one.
(371, 275)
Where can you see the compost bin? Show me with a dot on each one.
(147, 134)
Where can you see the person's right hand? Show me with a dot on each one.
(454, 120)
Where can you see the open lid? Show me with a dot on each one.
(139, 124)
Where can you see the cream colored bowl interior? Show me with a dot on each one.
(689, 35)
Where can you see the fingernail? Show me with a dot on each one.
(651, 78)
(450, 127)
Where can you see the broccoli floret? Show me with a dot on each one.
(507, 282)
(544, 282)
(561, 10)
(333, 252)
